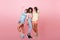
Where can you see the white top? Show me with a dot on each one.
(35, 16)
(29, 15)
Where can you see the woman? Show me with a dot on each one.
(35, 21)
(29, 17)
(21, 23)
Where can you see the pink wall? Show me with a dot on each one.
(49, 21)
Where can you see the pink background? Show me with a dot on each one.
(49, 20)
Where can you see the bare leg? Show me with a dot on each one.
(19, 26)
(21, 30)
(35, 29)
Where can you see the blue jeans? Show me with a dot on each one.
(29, 25)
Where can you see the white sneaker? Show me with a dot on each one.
(22, 35)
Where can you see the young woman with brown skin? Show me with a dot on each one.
(35, 21)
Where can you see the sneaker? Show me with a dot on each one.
(22, 36)
(29, 36)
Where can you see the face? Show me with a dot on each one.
(30, 10)
(35, 9)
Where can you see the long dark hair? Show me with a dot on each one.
(36, 9)
(30, 10)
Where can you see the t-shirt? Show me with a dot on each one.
(35, 16)
(29, 15)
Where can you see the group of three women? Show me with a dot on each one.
(31, 15)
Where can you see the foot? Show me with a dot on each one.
(22, 35)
